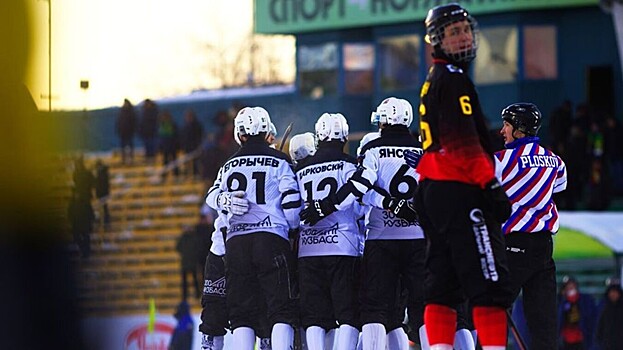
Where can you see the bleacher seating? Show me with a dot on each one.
(134, 258)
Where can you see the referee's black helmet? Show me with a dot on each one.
(524, 117)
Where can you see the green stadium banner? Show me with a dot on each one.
(298, 16)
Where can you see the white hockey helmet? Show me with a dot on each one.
(251, 121)
(302, 146)
(393, 111)
(237, 136)
(272, 129)
(367, 138)
(332, 126)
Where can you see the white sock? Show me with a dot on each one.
(347, 336)
(397, 339)
(441, 347)
(360, 342)
(282, 337)
(315, 337)
(329, 339)
(264, 344)
(423, 338)
(463, 340)
(212, 342)
(244, 338)
(373, 336)
(475, 336)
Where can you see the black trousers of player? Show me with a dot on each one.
(386, 263)
(533, 271)
(465, 248)
(214, 319)
(329, 288)
(260, 272)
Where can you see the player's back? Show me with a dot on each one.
(266, 177)
(394, 178)
(320, 176)
(530, 175)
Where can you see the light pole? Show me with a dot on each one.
(49, 55)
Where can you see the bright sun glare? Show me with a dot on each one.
(132, 49)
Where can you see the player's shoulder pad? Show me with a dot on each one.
(325, 158)
(454, 69)
(262, 150)
(378, 142)
(499, 154)
(398, 141)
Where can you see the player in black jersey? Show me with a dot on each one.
(394, 245)
(459, 201)
(257, 188)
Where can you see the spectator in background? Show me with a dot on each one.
(148, 129)
(102, 188)
(598, 173)
(81, 217)
(169, 141)
(83, 179)
(609, 333)
(189, 247)
(221, 149)
(575, 160)
(125, 127)
(599, 186)
(203, 230)
(191, 137)
(80, 211)
(582, 117)
(560, 126)
(613, 150)
(576, 317)
(182, 337)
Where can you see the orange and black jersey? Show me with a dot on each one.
(453, 129)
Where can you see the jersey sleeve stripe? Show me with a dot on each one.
(510, 164)
(287, 193)
(291, 205)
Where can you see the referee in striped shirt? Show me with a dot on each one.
(530, 175)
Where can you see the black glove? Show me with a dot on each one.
(412, 158)
(402, 208)
(316, 211)
(498, 200)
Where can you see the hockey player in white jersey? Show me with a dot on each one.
(302, 146)
(394, 247)
(329, 251)
(214, 321)
(257, 187)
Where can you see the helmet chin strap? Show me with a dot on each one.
(516, 137)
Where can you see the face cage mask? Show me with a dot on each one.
(466, 55)
(378, 118)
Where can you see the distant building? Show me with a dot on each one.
(350, 54)
(364, 50)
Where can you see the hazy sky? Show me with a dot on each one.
(134, 48)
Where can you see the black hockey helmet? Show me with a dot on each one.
(524, 117)
(441, 16)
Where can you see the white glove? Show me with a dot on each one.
(233, 202)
